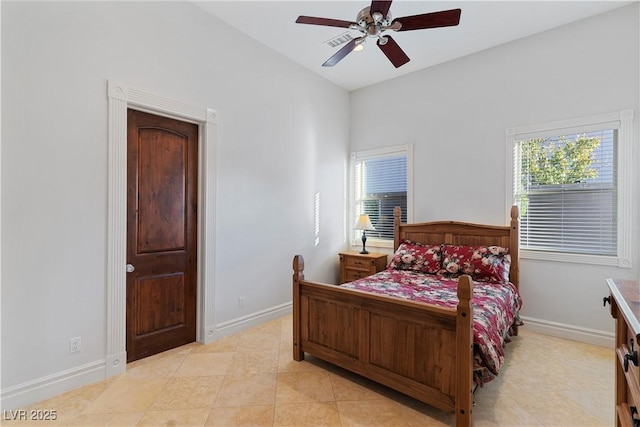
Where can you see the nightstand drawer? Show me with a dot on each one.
(351, 275)
(354, 265)
(358, 262)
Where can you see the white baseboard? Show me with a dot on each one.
(22, 395)
(241, 323)
(25, 394)
(570, 332)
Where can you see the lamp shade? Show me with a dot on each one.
(363, 223)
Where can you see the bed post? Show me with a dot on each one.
(514, 274)
(464, 352)
(514, 244)
(298, 276)
(397, 220)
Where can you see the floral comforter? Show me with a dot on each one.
(495, 309)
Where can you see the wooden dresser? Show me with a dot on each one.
(354, 265)
(625, 308)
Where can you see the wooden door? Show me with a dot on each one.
(162, 159)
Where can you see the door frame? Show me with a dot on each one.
(120, 98)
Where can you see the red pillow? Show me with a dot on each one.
(417, 257)
(483, 263)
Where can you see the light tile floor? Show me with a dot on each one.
(250, 379)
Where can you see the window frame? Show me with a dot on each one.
(623, 122)
(392, 151)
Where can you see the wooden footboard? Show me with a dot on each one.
(422, 350)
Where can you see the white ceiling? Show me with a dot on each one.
(483, 24)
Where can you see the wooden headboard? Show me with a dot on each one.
(462, 233)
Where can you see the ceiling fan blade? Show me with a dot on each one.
(380, 6)
(323, 21)
(395, 54)
(339, 55)
(445, 18)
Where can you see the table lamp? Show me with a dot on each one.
(364, 223)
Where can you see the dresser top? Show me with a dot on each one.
(627, 296)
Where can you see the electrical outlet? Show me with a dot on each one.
(75, 344)
(241, 302)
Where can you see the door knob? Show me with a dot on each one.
(130, 268)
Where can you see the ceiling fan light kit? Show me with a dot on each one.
(372, 21)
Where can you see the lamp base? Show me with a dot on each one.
(364, 240)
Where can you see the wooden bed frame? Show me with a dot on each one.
(422, 350)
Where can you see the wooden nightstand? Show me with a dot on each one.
(354, 265)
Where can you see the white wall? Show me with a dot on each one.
(456, 115)
(282, 137)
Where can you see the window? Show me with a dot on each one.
(381, 181)
(571, 182)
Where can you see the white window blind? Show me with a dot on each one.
(566, 188)
(380, 184)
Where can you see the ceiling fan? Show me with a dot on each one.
(373, 20)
